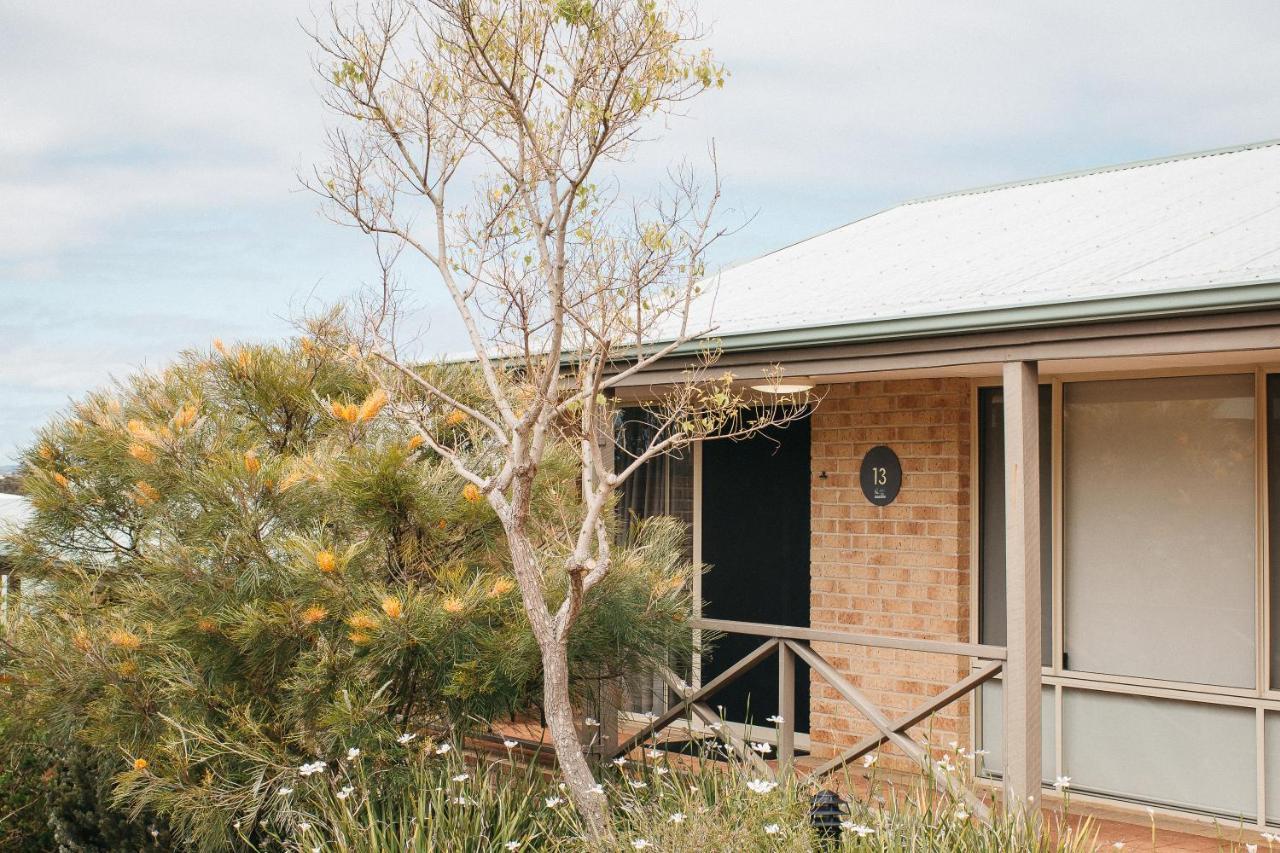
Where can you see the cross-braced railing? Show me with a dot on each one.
(790, 644)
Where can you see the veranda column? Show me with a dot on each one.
(1022, 577)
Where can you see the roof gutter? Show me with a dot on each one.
(1219, 299)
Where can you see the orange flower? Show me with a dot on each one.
(314, 614)
(124, 639)
(455, 417)
(139, 764)
(471, 493)
(414, 443)
(359, 638)
(61, 480)
(45, 452)
(142, 453)
(141, 431)
(501, 586)
(349, 413)
(362, 621)
(453, 605)
(293, 478)
(251, 463)
(326, 561)
(145, 493)
(442, 524)
(185, 416)
(373, 404)
(392, 607)
(207, 625)
(127, 669)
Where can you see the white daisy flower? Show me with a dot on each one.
(1062, 782)
(677, 817)
(868, 759)
(620, 761)
(762, 748)
(284, 792)
(353, 754)
(640, 844)
(405, 738)
(774, 719)
(512, 845)
(510, 744)
(653, 753)
(861, 829)
(772, 829)
(637, 784)
(346, 792)
(462, 777)
(552, 802)
(303, 826)
(761, 786)
(311, 767)
(661, 771)
(443, 748)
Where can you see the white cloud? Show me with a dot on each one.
(148, 147)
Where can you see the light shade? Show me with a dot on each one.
(783, 385)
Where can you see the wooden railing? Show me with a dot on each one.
(790, 644)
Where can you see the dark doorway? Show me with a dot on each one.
(755, 538)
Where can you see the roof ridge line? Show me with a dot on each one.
(1096, 170)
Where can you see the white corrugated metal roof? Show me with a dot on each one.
(1193, 222)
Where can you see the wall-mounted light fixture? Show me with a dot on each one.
(783, 385)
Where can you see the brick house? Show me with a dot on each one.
(1079, 380)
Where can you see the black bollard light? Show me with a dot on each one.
(827, 810)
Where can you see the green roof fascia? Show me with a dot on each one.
(1218, 299)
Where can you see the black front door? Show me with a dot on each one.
(755, 538)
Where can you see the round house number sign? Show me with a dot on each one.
(881, 475)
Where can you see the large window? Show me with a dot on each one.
(661, 486)
(991, 526)
(1273, 503)
(1159, 526)
(1152, 683)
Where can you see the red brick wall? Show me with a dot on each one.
(900, 569)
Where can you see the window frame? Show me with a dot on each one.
(1263, 698)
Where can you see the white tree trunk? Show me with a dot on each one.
(564, 736)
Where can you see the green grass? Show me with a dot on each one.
(417, 801)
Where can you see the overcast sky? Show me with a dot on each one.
(148, 150)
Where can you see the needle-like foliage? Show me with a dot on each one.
(241, 565)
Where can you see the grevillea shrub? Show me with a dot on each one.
(241, 564)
